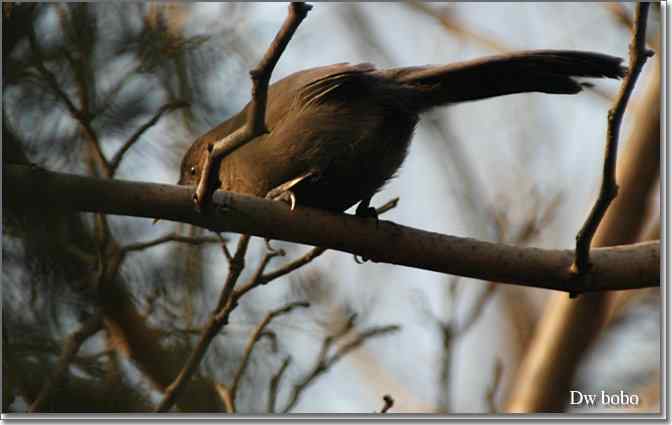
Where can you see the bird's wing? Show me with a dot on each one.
(335, 77)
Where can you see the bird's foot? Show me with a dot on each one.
(279, 194)
(365, 210)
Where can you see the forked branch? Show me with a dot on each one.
(256, 114)
(608, 190)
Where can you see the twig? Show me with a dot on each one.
(236, 266)
(262, 279)
(324, 362)
(169, 107)
(258, 278)
(225, 249)
(388, 403)
(78, 115)
(218, 319)
(492, 390)
(170, 237)
(620, 13)
(254, 338)
(256, 116)
(225, 394)
(476, 311)
(608, 190)
(282, 271)
(451, 24)
(274, 384)
(72, 345)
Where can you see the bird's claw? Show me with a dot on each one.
(286, 196)
(359, 259)
(366, 212)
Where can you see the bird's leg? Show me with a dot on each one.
(365, 210)
(203, 186)
(284, 193)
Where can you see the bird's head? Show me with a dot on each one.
(192, 162)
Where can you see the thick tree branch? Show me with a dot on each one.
(256, 114)
(614, 268)
(608, 190)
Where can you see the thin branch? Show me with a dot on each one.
(258, 277)
(225, 249)
(262, 279)
(608, 190)
(460, 30)
(359, 340)
(256, 114)
(72, 345)
(324, 362)
(477, 310)
(254, 338)
(614, 268)
(494, 387)
(236, 266)
(170, 237)
(388, 403)
(218, 319)
(169, 107)
(619, 12)
(274, 384)
(225, 394)
(76, 114)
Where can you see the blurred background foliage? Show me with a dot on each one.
(85, 84)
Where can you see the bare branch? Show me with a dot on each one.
(262, 279)
(619, 12)
(256, 114)
(169, 107)
(225, 394)
(614, 268)
(460, 30)
(76, 113)
(477, 309)
(608, 190)
(388, 403)
(274, 384)
(236, 266)
(492, 390)
(254, 338)
(324, 362)
(72, 345)
(225, 249)
(170, 237)
(218, 319)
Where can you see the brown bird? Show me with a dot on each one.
(337, 133)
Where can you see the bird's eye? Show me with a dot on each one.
(193, 170)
